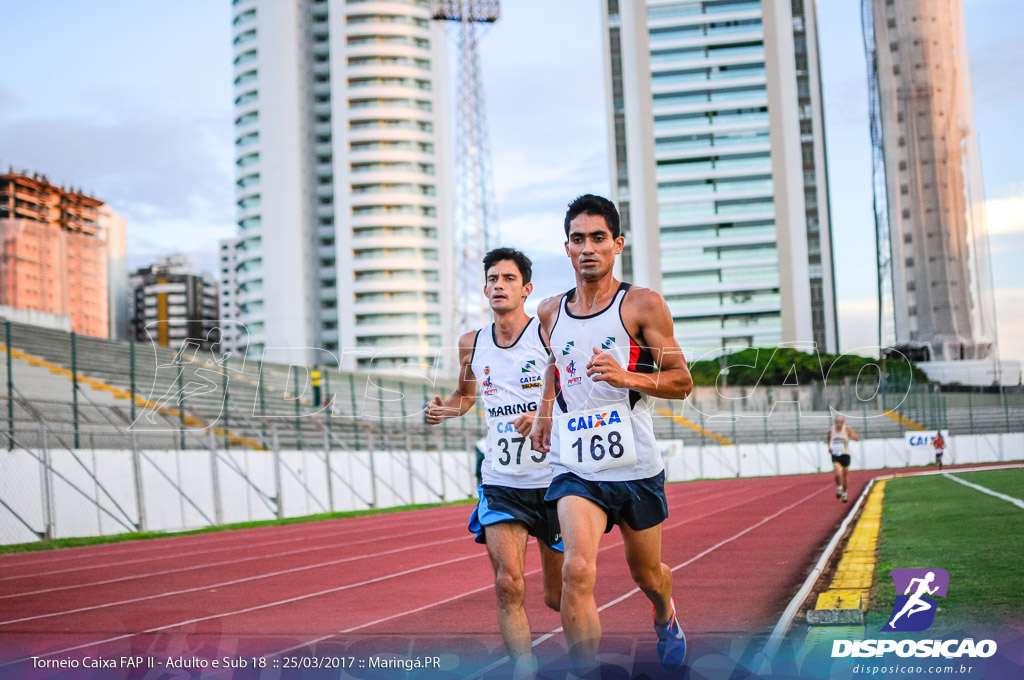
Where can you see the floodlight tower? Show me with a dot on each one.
(476, 222)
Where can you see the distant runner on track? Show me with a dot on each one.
(940, 448)
(507, 359)
(838, 442)
(612, 348)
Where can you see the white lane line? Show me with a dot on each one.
(217, 541)
(208, 565)
(608, 546)
(1009, 499)
(232, 582)
(266, 605)
(220, 538)
(368, 582)
(693, 559)
(165, 557)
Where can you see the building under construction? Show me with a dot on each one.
(55, 252)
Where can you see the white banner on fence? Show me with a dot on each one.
(915, 441)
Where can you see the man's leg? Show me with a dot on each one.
(651, 575)
(583, 523)
(506, 546)
(551, 561)
(837, 471)
(846, 478)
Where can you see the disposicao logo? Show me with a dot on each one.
(914, 611)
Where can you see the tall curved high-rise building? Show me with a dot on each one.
(344, 227)
(936, 298)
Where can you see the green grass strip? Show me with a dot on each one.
(933, 522)
(147, 535)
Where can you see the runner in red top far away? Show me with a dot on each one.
(940, 448)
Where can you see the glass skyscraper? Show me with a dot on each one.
(342, 182)
(718, 166)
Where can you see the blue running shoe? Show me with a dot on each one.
(671, 643)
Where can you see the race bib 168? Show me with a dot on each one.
(596, 439)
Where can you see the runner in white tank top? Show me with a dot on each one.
(572, 341)
(838, 441)
(607, 467)
(505, 360)
(511, 380)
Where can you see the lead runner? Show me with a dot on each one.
(611, 348)
(507, 358)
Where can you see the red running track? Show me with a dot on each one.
(739, 549)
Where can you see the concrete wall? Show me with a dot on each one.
(95, 492)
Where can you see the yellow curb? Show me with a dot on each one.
(855, 571)
(839, 599)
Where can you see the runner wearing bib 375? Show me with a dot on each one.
(507, 359)
(612, 348)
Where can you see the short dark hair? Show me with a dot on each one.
(589, 204)
(499, 254)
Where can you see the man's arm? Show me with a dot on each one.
(464, 395)
(853, 435)
(540, 433)
(648, 314)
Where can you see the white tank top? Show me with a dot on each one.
(572, 341)
(510, 380)
(840, 441)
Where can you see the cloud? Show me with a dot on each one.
(172, 179)
(1009, 302)
(1005, 215)
(529, 181)
(858, 323)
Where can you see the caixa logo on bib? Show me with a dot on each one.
(913, 612)
(589, 422)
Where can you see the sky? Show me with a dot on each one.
(131, 101)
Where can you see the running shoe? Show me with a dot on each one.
(671, 642)
(844, 497)
(839, 491)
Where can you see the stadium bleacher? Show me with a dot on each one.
(180, 397)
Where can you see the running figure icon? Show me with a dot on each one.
(916, 604)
